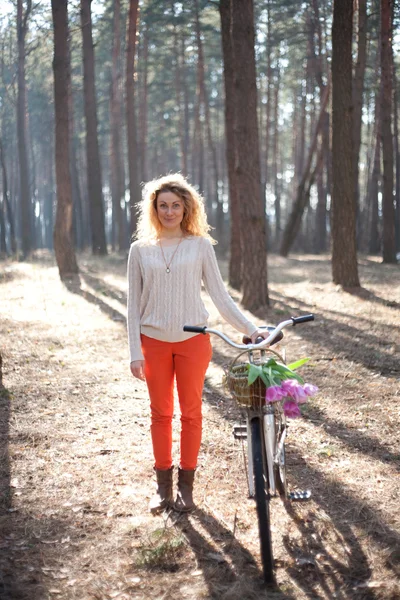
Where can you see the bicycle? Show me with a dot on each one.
(265, 430)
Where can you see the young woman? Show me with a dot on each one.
(167, 264)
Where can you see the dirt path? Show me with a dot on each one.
(76, 456)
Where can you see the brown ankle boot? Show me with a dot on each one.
(184, 499)
(163, 497)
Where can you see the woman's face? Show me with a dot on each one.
(170, 211)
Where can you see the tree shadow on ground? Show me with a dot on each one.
(352, 438)
(75, 287)
(346, 512)
(366, 294)
(356, 345)
(344, 509)
(102, 287)
(224, 561)
(16, 540)
(279, 298)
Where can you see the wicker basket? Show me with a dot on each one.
(247, 395)
(250, 396)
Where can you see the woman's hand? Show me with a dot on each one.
(260, 332)
(137, 369)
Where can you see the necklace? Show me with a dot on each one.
(168, 265)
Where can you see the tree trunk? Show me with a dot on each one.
(95, 191)
(116, 159)
(186, 102)
(63, 245)
(3, 243)
(323, 181)
(300, 203)
(277, 200)
(388, 213)
(197, 139)
(235, 261)
(7, 203)
(374, 244)
(143, 108)
(358, 90)
(207, 116)
(266, 179)
(247, 159)
(179, 61)
(397, 156)
(343, 218)
(133, 171)
(24, 192)
(370, 236)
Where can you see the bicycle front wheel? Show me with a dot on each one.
(280, 467)
(262, 498)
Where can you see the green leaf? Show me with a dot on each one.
(264, 377)
(298, 363)
(254, 372)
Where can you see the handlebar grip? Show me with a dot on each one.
(302, 319)
(194, 329)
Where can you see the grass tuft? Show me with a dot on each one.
(162, 550)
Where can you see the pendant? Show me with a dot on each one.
(168, 270)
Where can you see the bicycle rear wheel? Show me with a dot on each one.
(262, 498)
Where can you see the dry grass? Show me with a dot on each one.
(76, 476)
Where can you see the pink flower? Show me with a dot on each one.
(291, 409)
(274, 393)
(288, 385)
(310, 389)
(294, 389)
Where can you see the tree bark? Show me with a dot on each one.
(247, 158)
(63, 245)
(343, 217)
(94, 178)
(388, 213)
(133, 171)
(24, 192)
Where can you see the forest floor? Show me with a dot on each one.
(76, 460)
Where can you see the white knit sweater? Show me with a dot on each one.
(161, 303)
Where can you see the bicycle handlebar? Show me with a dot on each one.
(266, 342)
(302, 319)
(195, 329)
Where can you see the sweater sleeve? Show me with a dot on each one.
(134, 297)
(219, 295)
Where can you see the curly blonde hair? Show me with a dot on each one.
(194, 216)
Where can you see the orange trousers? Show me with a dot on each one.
(187, 362)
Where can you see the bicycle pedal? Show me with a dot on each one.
(299, 495)
(240, 432)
